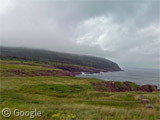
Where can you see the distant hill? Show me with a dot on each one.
(52, 56)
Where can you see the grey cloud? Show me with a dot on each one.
(131, 34)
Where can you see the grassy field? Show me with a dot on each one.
(69, 98)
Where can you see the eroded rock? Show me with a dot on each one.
(149, 106)
(111, 86)
(145, 101)
(141, 97)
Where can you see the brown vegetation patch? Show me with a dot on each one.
(36, 73)
(111, 86)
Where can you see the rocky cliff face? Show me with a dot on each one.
(79, 70)
(148, 88)
(111, 86)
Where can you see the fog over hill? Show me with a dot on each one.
(52, 56)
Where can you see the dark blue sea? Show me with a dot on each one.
(137, 75)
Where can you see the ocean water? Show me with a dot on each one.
(137, 75)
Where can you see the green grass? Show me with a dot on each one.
(119, 84)
(65, 97)
(112, 103)
(68, 65)
(53, 89)
(27, 68)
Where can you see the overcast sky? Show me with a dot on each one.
(127, 32)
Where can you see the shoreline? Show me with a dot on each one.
(127, 87)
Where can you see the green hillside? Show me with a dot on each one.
(50, 56)
(68, 97)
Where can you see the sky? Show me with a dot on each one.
(124, 31)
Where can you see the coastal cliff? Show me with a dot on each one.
(65, 61)
(30, 62)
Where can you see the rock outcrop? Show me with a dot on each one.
(148, 88)
(145, 101)
(149, 106)
(111, 86)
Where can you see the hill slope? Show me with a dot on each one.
(71, 98)
(65, 58)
